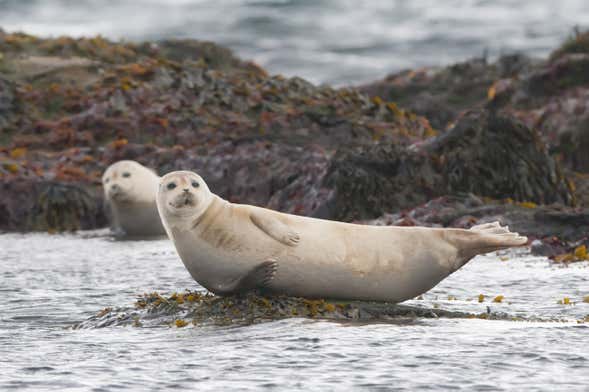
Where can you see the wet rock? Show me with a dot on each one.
(484, 154)
(578, 43)
(566, 72)
(7, 103)
(557, 229)
(555, 100)
(443, 94)
(182, 309)
(549, 95)
(213, 55)
(49, 206)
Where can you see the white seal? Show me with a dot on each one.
(130, 191)
(229, 248)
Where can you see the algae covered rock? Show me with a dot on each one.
(553, 230)
(484, 154)
(49, 206)
(7, 103)
(550, 95)
(577, 43)
(198, 309)
(443, 94)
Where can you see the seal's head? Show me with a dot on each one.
(128, 181)
(182, 197)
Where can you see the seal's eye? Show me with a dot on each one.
(195, 184)
(106, 180)
(171, 185)
(126, 174)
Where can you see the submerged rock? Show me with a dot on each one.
(203, 309)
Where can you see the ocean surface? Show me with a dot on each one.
(48, 283)
(340, 42)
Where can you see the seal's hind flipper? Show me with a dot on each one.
(275, 228)
(257, 278)
(482, 239)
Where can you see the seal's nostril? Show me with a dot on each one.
(186, 190)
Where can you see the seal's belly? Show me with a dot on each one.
(331, 260)
(361, 262)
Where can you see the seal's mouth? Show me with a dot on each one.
(117, 195)
(183, 200)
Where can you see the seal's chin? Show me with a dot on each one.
(119, 196)
(183, 204)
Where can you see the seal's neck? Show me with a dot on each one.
(213, 209)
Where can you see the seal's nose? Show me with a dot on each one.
(186, 190)
(115, 188)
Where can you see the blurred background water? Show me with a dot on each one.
(324, 41)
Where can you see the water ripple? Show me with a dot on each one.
(78, 275)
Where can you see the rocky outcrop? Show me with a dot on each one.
(49, 206)
(556, 231)
(7, 103)
(549, 95)
(443, 94)
(484, 154)
(74, 106)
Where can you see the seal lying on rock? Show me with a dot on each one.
(229, 248)
(130, 191)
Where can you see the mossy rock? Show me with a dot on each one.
(64, 207)
(198, 309)
(484, 154)
(578, 43)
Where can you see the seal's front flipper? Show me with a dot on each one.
(257, 278)
(275, 228)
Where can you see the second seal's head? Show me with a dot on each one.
(182, 195)
(128, 182)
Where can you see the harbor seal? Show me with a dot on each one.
(230, 248)
(130, 190)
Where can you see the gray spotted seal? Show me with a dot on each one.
(229, 248)
(130, 191)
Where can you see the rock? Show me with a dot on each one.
(213, 55)
(7, 103)
(182, 309)
(443, 94)
(550, 95)
(552, 229)
(484, 154)
(578, 43)
(49, 206)
(567, 71)
(555, 100)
